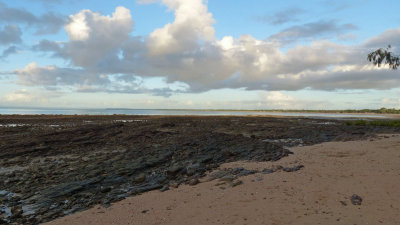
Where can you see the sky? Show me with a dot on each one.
(197, 54)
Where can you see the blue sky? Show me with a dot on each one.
(197, 54)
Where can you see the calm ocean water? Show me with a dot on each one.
(48, 111)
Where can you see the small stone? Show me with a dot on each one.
(140, 178)
(173, 170)
(105, 189)
(165, 188)
(236, 183)
(16, 212)
(355, 199)
(85, 159)
(227, 153)
(220, 183)
(343, 203)
(237, 170)
(174, 185)
(217, 174)
(228, 178)
(267, 171)
(194, 181)
(292, 169)
(145, 211)
(194, 168)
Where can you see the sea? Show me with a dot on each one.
(177, 112)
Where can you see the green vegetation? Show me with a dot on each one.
(355, 111)
(384, 123)
(384, 56)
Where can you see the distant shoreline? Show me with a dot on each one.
(346, 111)
(382, 113)
(188, 114)
(338, 111)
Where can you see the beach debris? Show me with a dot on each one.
(356, 200)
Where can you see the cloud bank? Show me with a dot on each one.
(48, 23)
(106, 56)
(285, 16)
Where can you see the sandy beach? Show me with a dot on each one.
(319, 193)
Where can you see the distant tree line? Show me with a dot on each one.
(377, 111)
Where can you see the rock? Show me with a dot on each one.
(90, 172)
(174, 169)
(217, 174)
(245, 172)
(356, 200)
(145, 211)
(220, 183)
(173, 184)
(236, 183)
(144, 188)
(227, 178)
(165, 125)
(3, 193)
(105, 189)
(194, 181)
(165, 188)
(292, 169)
(228, 153)
(16, 212)
(140, 178)
(237, 170)
(19, 159)
(205, 158)
(267, 171)
(194, 168)
(72, 210)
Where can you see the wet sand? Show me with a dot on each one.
(319, 193)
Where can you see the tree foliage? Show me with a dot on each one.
(384, 56)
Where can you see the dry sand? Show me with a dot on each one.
(319, 193)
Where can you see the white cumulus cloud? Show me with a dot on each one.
(94, 36)
(192, 23)
(186, 51)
